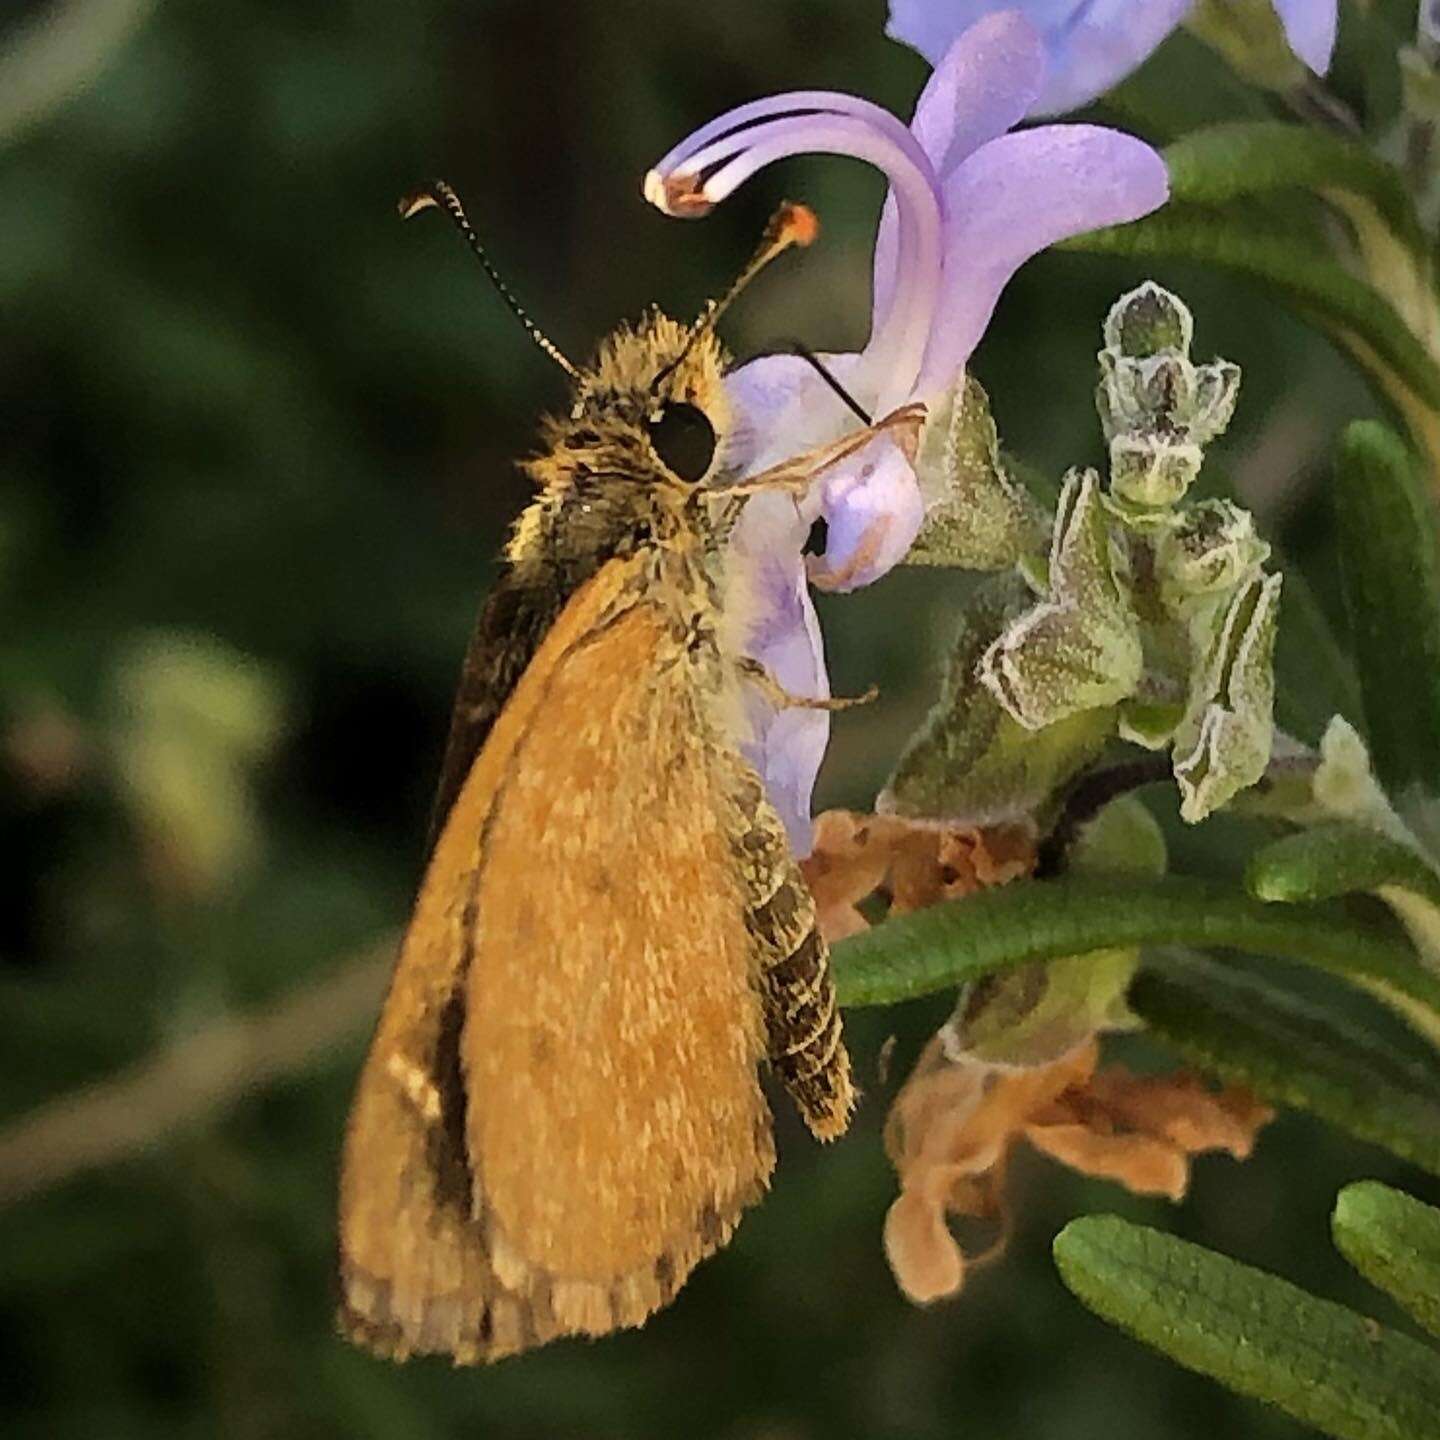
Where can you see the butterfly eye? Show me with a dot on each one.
(683, 439)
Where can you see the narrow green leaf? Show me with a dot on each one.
(1330, 860)
(1317, 1361)
(1292, 1052)
(1224, 162)
(1391, 580)
(1314, 675)
(1393, 1240)
(1312, 282)
(948, 944)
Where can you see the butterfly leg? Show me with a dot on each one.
(802, 1020)
(783, 699)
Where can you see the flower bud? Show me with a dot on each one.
(1148, 320)
(1217, 387)
(1151, 472)
(1079, 648)
(1213, 548)
(1223, 744)
(1158, 410)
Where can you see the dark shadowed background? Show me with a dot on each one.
(255, 461)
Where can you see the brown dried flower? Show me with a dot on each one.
(951, 1129)
(914, 862)
(954, 1123)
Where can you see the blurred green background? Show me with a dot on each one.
(255, 461)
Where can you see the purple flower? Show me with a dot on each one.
(1310, 27)
(968, 205)
(1091, 45)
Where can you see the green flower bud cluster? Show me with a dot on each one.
(1150, 617)
(1158, 410)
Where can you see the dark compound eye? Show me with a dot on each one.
(683, 439)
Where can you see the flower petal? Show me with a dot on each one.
(1010, 200)
(1089, 44)
(785, 746)
(782, 408)
(932, 26)
(924, 1258)
(872, 509)
(1100, 43)
(705, 167)
(984, 84)
(1310, 27)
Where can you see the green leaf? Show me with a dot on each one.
(1225, 162)
(1314, 675)
(1391, 580)
(1293, 1052)
(1317, 1361)
(1308, 279)
(1393, 1240)
(946, 945)
(1339, 859)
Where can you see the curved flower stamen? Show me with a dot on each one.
(707, 167)
(790, 103)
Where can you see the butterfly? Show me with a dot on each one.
(561, 1112)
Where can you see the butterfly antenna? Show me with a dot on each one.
(791, 224)
(437, 195)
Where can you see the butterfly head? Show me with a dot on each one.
(655, 398)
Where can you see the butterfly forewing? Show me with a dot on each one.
(560, 1114)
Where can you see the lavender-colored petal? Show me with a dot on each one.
(1010, 200)
(781, 408)
(1089, 44)
(785, 746)
(1100, 43)
(984, 84)
(1310, 27)
(932, 26)
(870, 502)
(872, 509)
